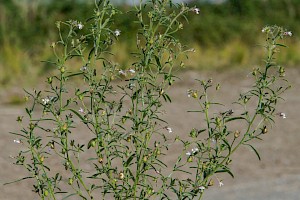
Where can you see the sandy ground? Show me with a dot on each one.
(275, 177)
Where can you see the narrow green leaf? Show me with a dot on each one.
(69, 196)
(234, 118)
(28, 177)
(75, 74)
(227, 171)
(282, 45)
(256, 152)
(129, 160)
(77, 113)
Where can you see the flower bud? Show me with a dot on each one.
(70, 182)
(49, 80)
(145, 159)
(62, 70)
(194, 94)
(42, 158)
(264, 130)
(46, 193)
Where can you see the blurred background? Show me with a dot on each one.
(226, 36)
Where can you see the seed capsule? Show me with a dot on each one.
(265, 130)
(211, 183)
(236, 134)
(121, 176)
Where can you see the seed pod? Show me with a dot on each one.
(264, 130)
(236, 134)
(42, 158)
(52, 145)
(211, 182)
(161, 91)
(121, 175)
(92, 143)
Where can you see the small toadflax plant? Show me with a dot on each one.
(121, 150)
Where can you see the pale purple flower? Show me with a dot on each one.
(188, 153)
(132, 71)
(122, 72)
(81, 110)
(289, 33)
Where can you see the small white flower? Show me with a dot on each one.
(265, 29)
(132, 71)
(169, 129)
(122, 72)
(81, 110)
(188, 153)
(84, 68)
(195, 150)
(289, 33)
(131, 85)
(196, 10)
(201, 188)
(80, 26)
(189, 93)
(282, 115)
(45, 101)
(117, 32)
(17, 141)
(221, 183)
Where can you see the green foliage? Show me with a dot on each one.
(27, 30)
(125, 140)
